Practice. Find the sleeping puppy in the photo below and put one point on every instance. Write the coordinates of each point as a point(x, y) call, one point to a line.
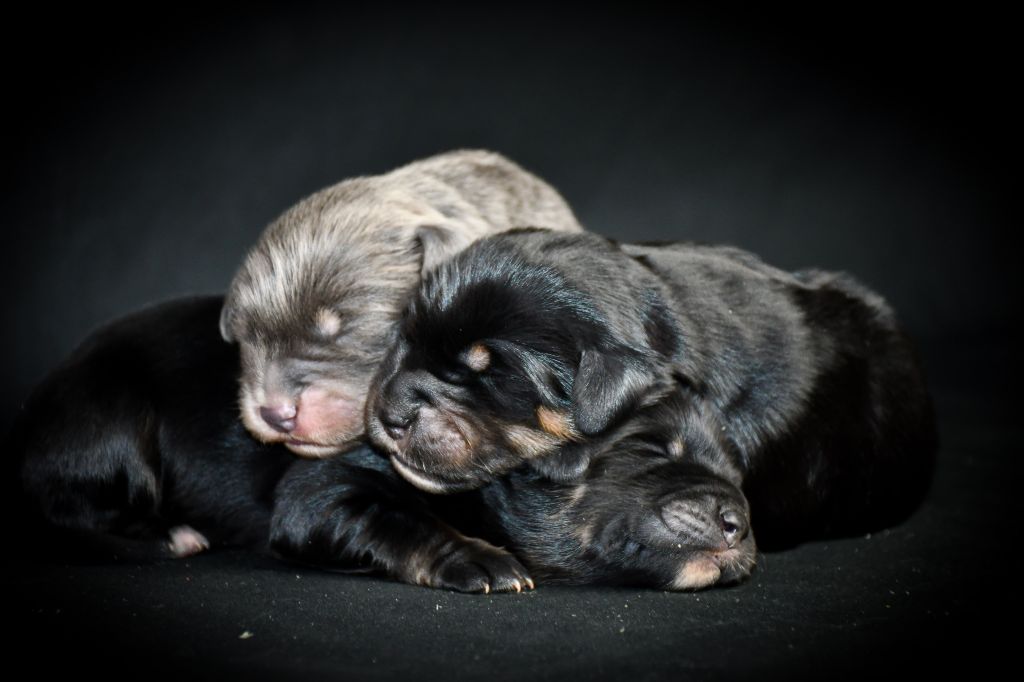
point(629, 410)
point(314, 305)
point(133, 447)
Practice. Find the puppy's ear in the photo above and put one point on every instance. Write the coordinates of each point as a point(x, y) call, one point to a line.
point(438, 244)
point(227, 314)
point(565, 465)
point(607, 384)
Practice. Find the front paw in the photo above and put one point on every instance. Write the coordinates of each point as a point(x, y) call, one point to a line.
point(473, 565)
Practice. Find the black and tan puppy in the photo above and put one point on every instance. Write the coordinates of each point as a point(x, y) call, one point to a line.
point(137, 436)
point(618, 405)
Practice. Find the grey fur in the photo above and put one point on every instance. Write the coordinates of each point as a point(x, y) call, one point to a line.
point(357, 249)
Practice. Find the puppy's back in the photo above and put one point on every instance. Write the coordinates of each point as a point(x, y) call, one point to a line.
point(502, 193)
point(102, 444)
point(830, 398)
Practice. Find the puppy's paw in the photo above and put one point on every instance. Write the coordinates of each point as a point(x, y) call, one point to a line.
point(473, 565)
point(186, 541)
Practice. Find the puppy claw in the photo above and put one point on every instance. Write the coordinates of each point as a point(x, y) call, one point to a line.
point(472, 565)
point(529, 583)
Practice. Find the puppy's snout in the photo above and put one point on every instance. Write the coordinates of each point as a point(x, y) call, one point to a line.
point(703, 521)
point(401, 401)
point(734, 526)
point(397, 427)
point(281, 417)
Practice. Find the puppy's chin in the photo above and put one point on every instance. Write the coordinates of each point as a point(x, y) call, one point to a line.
point(706, 568)
point(428, 482)
point(323, 442)
point(312, 450)
point(316, 446)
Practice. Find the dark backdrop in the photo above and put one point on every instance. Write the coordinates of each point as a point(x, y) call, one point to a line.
point(147, 153)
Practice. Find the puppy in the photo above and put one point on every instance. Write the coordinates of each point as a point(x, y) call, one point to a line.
point(134, 447)
point(626, 409)
point(314, 304)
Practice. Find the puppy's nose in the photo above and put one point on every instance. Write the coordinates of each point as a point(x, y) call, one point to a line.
point(281, 418)
point(396, 427)
point(733, 524)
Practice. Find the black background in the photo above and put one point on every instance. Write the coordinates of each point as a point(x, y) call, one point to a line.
point(146, 153)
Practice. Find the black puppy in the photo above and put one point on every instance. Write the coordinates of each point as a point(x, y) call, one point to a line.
point(619, 405)
point(137, 435)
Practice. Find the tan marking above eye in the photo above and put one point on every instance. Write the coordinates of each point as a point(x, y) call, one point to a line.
point(555, 423)
point(477, 357)
point(328, 322)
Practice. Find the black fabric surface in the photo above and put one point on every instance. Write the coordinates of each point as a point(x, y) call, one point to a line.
point(145, 162)
point(921, 598)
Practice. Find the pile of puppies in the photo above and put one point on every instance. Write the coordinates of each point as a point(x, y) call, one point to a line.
point(538, 403)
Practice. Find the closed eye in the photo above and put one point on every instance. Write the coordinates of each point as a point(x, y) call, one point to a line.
point(457, 375)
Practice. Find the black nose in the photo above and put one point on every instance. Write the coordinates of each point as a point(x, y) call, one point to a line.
point(396, 427)
point(734, 526)
point(281, 419)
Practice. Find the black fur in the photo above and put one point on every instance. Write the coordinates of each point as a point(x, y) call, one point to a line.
point(138, 433)
point(636, 397)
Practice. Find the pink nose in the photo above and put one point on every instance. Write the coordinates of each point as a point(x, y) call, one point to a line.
point(280, 418)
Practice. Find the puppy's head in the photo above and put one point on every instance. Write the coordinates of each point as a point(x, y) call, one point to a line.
point(314, 306)
point(666, 506)
point(503, 358)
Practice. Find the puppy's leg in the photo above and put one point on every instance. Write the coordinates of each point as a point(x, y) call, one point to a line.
point(88, 491)
point(354, 513)
point(73, 521)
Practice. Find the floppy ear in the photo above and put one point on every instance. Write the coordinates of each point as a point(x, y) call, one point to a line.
point(438, 244)
point(227, 313)
point(565, 465)
point(606, 385)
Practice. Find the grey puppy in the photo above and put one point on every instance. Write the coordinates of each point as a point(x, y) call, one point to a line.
point(314, 305)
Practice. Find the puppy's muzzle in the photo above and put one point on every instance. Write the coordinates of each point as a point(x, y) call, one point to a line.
point(281, 418)
point(397, 428)
point(711, 525)
point(397, 409)
point(409, 417)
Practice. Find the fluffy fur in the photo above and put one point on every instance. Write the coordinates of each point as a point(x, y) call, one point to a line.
point(629, 410)
point(133, 447)
point(314, 305)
